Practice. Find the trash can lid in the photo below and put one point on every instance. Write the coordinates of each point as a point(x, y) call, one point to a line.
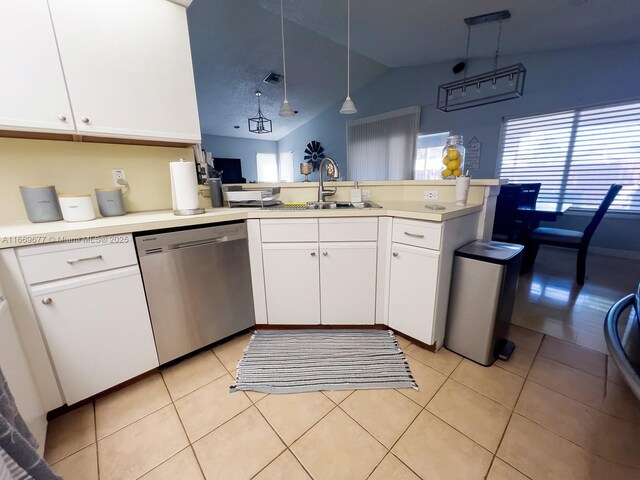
point(492, 252)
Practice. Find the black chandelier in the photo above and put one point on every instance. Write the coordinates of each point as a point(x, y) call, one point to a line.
point(260, 123)
point(493, 86)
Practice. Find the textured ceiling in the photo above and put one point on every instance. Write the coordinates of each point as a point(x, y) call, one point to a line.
point(235, 43)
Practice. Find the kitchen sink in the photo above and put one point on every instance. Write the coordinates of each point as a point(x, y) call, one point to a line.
point(342, 205)
point(325, 205)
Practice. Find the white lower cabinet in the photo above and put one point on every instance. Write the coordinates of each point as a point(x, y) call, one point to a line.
point(348, 283)
point(412, 291)
point(19, 376)
point(291, 278)
point(92, 311)
point(97, 329)
point(316, 271)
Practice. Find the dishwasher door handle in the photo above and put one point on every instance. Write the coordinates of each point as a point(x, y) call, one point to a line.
point(198, 243)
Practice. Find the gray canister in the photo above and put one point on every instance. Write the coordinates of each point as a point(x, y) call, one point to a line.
point(41, 203)
point(110, 202)
point(215, 187)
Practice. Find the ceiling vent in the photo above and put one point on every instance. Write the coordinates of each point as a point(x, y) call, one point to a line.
point(273, 78)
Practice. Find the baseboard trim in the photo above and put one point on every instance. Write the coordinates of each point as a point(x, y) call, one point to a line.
point(607, 252)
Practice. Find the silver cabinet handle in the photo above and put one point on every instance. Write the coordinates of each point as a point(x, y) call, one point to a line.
point(47, 301)
point(62, 118)
point(395, 254)
point(85, 119)
point(413, 235)
point(325, 253)
point(71, 261)
point(313, 254)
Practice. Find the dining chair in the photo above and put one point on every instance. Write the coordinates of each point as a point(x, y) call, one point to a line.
point(529, 194)
point(559, 237)
point(504, 221)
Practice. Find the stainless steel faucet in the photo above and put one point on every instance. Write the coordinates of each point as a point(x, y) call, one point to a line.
point(322, 192)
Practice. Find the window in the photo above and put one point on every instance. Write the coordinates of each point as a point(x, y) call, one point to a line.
point(576, 154)
point(428, 164)
point(286, 166)
point(382, 147)
point(267, 164)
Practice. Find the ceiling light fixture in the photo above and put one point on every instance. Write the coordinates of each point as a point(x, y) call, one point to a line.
point(285, 108)
point(494, 86)
point(348, 107)
point(260, 123)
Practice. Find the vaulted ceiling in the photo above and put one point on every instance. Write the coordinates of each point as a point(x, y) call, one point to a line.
point(236, 43)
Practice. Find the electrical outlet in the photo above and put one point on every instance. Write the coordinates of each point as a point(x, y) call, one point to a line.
point(431, 195)
point(118, 174)
point(366, 194)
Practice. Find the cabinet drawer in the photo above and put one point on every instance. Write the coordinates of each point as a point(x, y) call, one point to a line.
point(289, 230)
point(348, 229)
point(42, 263)
point(419, 234)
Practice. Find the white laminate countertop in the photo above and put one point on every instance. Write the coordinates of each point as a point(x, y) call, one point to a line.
point(25, 233)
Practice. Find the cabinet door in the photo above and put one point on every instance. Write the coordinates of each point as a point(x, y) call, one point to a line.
point(348, 283)
point(33, 96)
point(128, 68)
point(97, 329)
point(412, 291)
point(292, 283)
point(17, 372)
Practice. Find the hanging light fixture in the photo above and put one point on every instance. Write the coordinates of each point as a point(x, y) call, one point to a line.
point(260, 123)
point(494, 86)
point(348, 107)
point(285, 108)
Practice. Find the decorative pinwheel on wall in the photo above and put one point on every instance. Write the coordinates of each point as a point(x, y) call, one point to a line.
point(313, 154)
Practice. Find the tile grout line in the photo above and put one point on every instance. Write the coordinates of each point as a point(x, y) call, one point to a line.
point(589, 452)
point(95, 426)
point(513, 410)
point(81, 448)
point(390, 452)
point(183, 428)
point(287, 447)
point(585, 404)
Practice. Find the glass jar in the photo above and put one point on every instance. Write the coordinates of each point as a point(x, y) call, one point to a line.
point(453, 157)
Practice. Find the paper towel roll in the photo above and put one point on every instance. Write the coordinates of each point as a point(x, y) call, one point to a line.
point(184, 185)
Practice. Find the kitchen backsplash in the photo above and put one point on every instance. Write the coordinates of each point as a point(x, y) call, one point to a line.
point(82, 167)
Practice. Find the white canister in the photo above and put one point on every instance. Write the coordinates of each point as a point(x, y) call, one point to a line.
point(77, 208)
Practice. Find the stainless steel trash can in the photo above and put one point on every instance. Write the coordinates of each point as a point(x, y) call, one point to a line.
point(483, 290)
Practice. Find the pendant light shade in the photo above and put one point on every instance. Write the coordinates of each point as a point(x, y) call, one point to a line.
point(285, 108)
point(348, 107)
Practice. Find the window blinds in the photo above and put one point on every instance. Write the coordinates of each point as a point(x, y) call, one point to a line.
point(383, 147)
point(576, 154)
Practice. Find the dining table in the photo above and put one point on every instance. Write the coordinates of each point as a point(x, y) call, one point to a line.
point(531, 216)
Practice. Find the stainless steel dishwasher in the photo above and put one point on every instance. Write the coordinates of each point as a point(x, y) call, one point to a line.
point(198, 286)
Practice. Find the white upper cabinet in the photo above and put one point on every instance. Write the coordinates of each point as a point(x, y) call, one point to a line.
point(128, 68)
point(33, 97)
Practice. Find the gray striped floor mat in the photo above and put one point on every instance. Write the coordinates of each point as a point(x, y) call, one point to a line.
point(291, 361)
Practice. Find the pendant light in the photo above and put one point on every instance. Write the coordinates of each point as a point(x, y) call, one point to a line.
point(285, 108)
point(348, 107)
point(497, 85)
point(260, 123)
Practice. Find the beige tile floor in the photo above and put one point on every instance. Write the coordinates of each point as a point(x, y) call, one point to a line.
point(555, 410)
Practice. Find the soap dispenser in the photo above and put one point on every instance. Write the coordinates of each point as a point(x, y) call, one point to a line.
point(356, 193)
